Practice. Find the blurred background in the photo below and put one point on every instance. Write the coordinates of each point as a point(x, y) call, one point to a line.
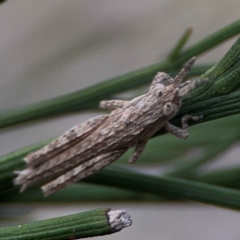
point(50, 48)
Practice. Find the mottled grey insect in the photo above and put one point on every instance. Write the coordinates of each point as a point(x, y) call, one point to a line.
point(91, 146)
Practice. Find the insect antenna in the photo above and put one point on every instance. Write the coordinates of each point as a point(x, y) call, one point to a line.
point(183, 73)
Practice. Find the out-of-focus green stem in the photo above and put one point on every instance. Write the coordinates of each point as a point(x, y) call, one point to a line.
point(227, 177)
point(210, 41)
point(89, 98)
point(184, 169)
point(167, 187)
point(173, 55)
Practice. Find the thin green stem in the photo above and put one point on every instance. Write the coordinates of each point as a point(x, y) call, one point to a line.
point(81, 225)
point(167, 187)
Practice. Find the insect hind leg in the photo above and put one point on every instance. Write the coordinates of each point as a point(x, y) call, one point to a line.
point(138, 151)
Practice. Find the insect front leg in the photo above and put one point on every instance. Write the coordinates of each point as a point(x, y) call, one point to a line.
point(181, 132)
point(82, 171)
point(112, 104)
point(138, 151)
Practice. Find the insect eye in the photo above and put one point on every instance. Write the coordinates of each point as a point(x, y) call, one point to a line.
point(167, 109)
